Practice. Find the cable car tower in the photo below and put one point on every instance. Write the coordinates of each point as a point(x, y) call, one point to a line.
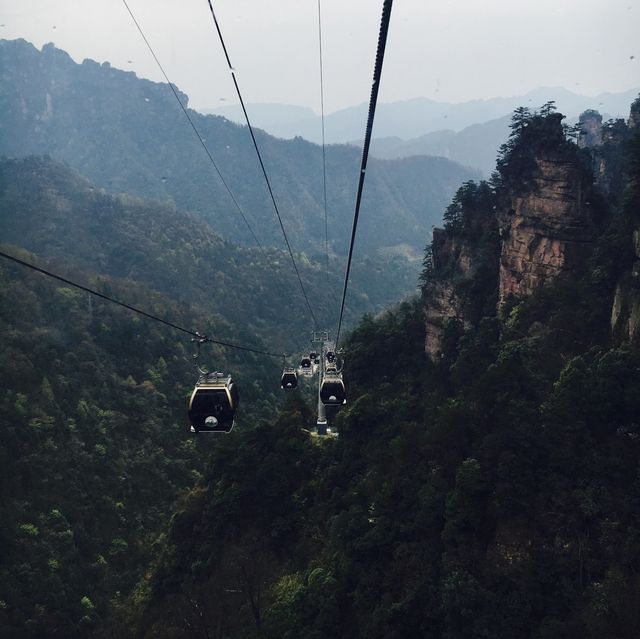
point(331, 390)
point(321, 338)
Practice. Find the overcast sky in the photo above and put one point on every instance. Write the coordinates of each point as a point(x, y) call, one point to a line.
point(449, 50)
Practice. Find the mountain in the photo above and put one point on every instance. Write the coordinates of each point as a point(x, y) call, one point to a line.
point(267, 116)
point(489, 489)
point(474, 146)
point(52, 211)
point(415, 118)
point(94, 439)
point(485, 479)
point(129, 135)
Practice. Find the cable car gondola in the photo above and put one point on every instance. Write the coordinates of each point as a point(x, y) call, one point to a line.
point(213, 404)
point(289, 379)
point(332, 390)
point(306, 367)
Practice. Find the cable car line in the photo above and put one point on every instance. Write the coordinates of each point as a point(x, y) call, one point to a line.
point(195, 130)
point(324, 155)
point(264, 171)
point(382, 41)
point(155, 318)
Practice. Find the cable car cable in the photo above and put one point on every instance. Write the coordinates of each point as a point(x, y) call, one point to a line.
point(155, 318)
point(195, 130)
point(324, 154)
point(264, 171)
point(382, 41)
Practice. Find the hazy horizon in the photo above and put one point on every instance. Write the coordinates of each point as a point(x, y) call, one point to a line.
point(454, 54)
point(231, 104)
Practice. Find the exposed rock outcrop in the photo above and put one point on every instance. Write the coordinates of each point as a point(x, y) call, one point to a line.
point(547, 207)
point(625, 314)
point(444, 305)
point(604, 142)
point(590, 129)
point(463, 272)
point(546, 231)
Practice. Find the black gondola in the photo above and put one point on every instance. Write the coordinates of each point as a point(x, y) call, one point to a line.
point(331, 357)
point(289, 379)
point(305, 362)
point(213, 404)
point(332, 390)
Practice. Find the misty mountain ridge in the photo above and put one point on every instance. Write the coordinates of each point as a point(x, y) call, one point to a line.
point(475, 146)
point(127, 134)
point(417, 117)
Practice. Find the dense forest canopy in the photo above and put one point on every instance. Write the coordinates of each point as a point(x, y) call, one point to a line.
point(490, 493)
point(485, 480)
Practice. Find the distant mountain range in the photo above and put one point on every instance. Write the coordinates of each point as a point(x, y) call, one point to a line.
point(469, 133)
point(415, 118)
point(475, 146)
point(126, 134)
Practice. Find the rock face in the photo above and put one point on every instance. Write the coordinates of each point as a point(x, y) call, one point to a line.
point(443, 304)
point(604, 142)
point(590, 129)
point(546, 231)
point(542, 224)
point(625, 314)
point(464, 269)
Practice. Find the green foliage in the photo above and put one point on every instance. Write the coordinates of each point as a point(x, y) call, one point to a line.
point(95, 450)
point(534, 136)
point(464, 256)
point(471, 205)
point(491, 495)
point(246, 293)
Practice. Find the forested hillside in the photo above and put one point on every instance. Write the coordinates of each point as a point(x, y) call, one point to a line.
point(485, 478)
point(48, 209)
point(130, 135)
point(94, 450)
point(96, 447)
point(490, 491)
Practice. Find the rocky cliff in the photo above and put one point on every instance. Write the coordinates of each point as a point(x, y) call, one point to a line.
point(612, 148)
point(547, 228)
point(604, 142)
point(625, 315)
point(551, 199)
point(446, 305)
point(461, 275)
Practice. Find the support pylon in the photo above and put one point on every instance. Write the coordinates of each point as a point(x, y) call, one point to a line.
point(321, 423)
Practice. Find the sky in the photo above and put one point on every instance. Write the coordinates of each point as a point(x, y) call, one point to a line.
point(447, 50)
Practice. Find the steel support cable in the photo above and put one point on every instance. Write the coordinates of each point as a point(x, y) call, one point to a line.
point(195, 130)
point(382, 42)
point(155, 318)
point(324, 154)
point(264, 171)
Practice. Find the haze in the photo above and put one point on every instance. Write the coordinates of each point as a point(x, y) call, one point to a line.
point(449, 51)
